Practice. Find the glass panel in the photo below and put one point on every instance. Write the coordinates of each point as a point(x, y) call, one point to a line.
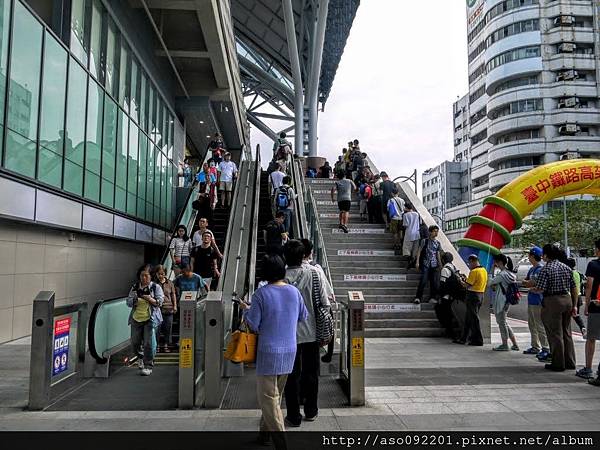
point(112, 61)
point(23, 93)
point(120, 199)
point(142, 171)
point(109, 140)
point(132, 168)
point(4, 29)
point(96, 40)
point(124, 77)
point(122, 140)
point(143, 102)
point(93, 142)
point(141, 208)
point(135, 102)
point(73, 179)
point(107, 194)
point(150, 178)
point(52, 114)
point(159, 123)
point(79, 43)
point(157, 174)
point(75, 126)
point(151, 112)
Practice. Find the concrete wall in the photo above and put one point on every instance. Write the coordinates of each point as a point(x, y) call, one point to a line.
point(35, 258)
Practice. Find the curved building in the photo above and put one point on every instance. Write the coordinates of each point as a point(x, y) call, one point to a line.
point(533, 74)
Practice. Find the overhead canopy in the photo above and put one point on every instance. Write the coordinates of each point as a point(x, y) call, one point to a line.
point(260, 26)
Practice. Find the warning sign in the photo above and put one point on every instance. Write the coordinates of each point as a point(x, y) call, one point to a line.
point(360, 231)
point(185, 353)
point(358, 252)
point(60, 354)
point(358, 352)
point(374, 277)
point(329, 216)
point(387, 307)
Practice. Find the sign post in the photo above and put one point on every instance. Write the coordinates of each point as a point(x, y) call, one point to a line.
point(356, 348)
point(187, 308)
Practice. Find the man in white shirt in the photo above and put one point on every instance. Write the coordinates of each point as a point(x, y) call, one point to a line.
point(276, 182)
point(395, 207)
point(227, 174)
point(410, 220)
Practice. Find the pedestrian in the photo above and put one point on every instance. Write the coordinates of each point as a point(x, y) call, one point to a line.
point(500, 285)
point(217, 148)
point(189, 281)
point(387, 187)
point(284, 201)
point(592, 311)
point(450, 290)
point(340, 164)
point(282, 148)
point(476, 284)
point(204, 259)
point(197, 238)
point(344, 188)
point(275, 235)
point(377, 199)
point(304, 379)
point(188, 176)
point(274, 313)
point(357, 166)
point(429, 261)
point(571, 263)
point(145, 299)
point(395, 210)
point(559, 306)
point(368, 195)
point(207, 181)
point(180, 248)
point(227, 175)
point(168, 309)
point(412, 235)
point(276, 178)
point(539, 341)
point(325, 170)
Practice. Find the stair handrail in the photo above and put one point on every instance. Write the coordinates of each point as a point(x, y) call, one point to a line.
point(254, 223)
point(299, 204)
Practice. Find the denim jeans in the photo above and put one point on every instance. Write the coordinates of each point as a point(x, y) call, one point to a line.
point(431, 274)
point(165, 330)
point(144, 332)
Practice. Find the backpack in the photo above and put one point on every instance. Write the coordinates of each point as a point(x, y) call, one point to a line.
point(453, 286)
point(423, 229)
point(512, 293)
point(273, 166)
point(361, 190)
point(283, 198)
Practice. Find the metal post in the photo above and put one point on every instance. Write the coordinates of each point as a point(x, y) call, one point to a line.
point(565, 224)
point(41, 350)
point(213, 353)
point(356, 348)
point(187, 334)
point(290, 28)
point(315, 73)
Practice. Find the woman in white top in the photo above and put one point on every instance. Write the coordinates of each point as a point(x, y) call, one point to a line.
point(499, 306)
point(180, 248)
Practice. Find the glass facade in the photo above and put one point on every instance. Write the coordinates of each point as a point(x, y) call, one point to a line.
point(86, 119)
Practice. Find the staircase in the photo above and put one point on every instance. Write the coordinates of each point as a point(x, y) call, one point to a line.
point(265, 215)
point(364, 260)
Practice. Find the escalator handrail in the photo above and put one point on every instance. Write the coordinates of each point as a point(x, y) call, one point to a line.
point(300, 212)
point(254, 224)
point(92, 329)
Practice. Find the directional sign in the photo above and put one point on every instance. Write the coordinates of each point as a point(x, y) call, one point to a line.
point(359, 252)
point(387, 307)
point(60, 354)
point(374, 277)
point(359, 231)
point(329, 216)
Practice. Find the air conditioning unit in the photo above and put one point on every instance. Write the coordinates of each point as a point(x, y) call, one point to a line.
point(569, 102)
point(567, 75)
point(567, 47)
point(569, 129)
point(564, 20)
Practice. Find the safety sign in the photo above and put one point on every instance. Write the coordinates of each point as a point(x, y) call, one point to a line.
point(374, 277)
point(359, 252)
point(360, 231)
point(60, 354)
point(358, 352)
point(185, 353)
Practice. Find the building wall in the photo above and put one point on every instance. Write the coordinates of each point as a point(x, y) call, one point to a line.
point(77, 266)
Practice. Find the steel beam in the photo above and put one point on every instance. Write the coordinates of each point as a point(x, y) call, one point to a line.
point(315, 72)
point(290, 28)
point(261, 125)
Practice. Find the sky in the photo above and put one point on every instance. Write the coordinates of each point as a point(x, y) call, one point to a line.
point(404, 64)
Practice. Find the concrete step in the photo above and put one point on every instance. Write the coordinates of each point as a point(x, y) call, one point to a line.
point(377, 262)
point(333, 223)
point(349, 256)
point(407, 293)
point(337, 269)
point(403, 332)
point(395, 298)
point(427, 315)
point(365, 286)
point(343, 245)
point(402, 323)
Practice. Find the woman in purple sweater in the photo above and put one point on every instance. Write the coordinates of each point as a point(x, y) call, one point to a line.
point(274, 314)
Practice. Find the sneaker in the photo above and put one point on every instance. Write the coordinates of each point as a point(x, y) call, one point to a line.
point(417, 301)
point(140, 363)
point(584, 332)
point(326, 358)
point(543, 356)
point(459, 341)
point(531, 351)
point(515, 348)
point(311, 419)
point(433, 301)
point(146, 371)
point(290, 423)
point(585, 373)
point(595, 381)
point(345, 229)
point(501, 348)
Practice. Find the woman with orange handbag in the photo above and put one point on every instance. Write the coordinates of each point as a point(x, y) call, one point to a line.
point(274, 313)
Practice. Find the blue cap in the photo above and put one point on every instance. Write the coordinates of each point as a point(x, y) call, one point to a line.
point(536, 251)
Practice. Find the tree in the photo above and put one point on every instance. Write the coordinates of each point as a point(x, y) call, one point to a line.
point(583, 226)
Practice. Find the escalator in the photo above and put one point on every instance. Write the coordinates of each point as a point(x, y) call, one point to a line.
point(265, 215)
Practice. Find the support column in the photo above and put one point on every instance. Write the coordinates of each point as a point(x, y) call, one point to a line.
point(315, 75)
point(290, 28)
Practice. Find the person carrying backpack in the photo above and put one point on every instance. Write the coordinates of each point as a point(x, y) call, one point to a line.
point(365, 192)
point(451, 289)
point(395, 208)
point(284, 197)
point(504, 285)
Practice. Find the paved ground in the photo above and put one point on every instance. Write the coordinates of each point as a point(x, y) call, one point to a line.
point(412, 384)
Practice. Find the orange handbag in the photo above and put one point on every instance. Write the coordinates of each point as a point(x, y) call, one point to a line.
point(241, 346)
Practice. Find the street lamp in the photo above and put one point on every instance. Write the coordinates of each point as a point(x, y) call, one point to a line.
point(412, 178)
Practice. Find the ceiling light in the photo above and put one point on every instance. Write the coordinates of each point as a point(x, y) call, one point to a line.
point(202, 121)
point(208, 137)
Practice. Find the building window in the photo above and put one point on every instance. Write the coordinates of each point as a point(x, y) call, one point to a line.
point(478, 115)
point(75, 129)
point(93, 141)
point(477, 94)
point(517, 82)
point(519, 136)
point(476, 73)
point(96, 40)
point(79, 27)
point(513, 55)
point(533, 104)
point(520, 162)
point(479, 137)
point(512, 29)
point(109, 143)
point(508, 5)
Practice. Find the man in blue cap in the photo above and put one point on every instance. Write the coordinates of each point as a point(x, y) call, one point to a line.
point(539, 341)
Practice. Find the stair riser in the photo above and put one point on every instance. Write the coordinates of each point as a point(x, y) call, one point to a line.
point(401, 323)
point(403, 333)
point(384, 269)
point(425, 315)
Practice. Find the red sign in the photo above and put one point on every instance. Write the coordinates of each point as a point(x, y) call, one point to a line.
point(62, 326)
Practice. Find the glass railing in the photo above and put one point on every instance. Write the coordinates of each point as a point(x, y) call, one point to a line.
point(108, 328)
point(199, 345)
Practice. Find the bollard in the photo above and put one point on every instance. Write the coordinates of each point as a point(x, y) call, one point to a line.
point(41, 350)
point(356, 348)
point(187, 311)
point(213, 349)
